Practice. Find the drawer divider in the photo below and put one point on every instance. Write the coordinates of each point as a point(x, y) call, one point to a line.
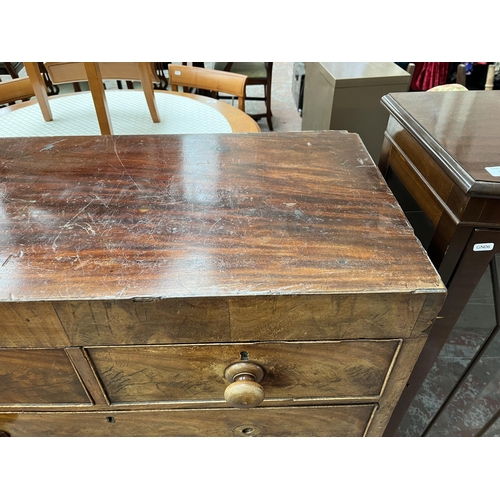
point(87, 374)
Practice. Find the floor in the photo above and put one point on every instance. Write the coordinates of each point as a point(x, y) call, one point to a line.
point(467, 391)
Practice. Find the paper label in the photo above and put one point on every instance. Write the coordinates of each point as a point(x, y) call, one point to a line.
point(483, 247)
point(494, 171)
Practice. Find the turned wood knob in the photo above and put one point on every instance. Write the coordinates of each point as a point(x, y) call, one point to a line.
point(244, 390)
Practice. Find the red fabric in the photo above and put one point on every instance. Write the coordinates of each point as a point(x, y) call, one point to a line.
point(429, 74)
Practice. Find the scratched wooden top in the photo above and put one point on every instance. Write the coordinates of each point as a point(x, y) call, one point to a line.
point(200, 215)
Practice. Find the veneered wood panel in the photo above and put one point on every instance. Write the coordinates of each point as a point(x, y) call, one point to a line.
point(324, 317)
point(30, 324)
point(156, 321)
point(39, 376)
point(324, 421)
point(293, 370)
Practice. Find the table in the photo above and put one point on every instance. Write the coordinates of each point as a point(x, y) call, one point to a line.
point(162, 285)
point(74, 114)
point(441, 153)
point(346, 96)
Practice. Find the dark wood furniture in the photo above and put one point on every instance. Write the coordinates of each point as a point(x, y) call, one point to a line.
point(154, 285)
point(11, 68)
point(443, 149)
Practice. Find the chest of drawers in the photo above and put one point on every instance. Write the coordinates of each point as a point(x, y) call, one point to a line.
point(205, 285)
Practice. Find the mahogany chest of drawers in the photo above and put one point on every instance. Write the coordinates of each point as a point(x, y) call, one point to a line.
point(205, 285)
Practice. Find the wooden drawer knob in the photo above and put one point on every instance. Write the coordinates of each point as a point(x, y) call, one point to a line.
point(244, 390)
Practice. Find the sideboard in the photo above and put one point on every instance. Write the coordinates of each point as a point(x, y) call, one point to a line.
point(205, 285)
point(441, 159)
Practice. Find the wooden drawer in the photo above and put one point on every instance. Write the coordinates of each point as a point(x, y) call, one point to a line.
point(348, 420)
point(294, 371)
point(39, 377)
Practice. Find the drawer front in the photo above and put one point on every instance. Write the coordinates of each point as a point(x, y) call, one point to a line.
point(39, 376)
point(293, 371)
point(324, 421)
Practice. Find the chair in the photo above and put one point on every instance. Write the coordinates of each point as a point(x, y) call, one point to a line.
point(490, 77)
point(258, 73)
point(427, 75)
point(208, 79)
point(459, 86)
point(94, 73)
point(19, 89)
point(11, 68)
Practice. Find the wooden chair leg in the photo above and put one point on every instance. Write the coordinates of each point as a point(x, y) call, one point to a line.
point(99, 97)
point(39, 89)
point(11, 70)
point(241, 102)
point(461, 75)
point(147, 87)
point(269, 114)
point(490, 77)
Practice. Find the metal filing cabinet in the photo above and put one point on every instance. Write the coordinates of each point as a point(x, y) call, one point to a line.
point(346, 96)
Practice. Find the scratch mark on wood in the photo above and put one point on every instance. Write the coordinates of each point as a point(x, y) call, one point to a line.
point(123, 166)
point(15, 256)
point(68, 224)
point(48, 147)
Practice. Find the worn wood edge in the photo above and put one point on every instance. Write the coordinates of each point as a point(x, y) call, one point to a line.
point(263, 294)
point(431, 308)
point(459, 175)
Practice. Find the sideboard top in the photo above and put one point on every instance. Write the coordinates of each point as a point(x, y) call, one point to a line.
point(200, 215)
point(461, 130)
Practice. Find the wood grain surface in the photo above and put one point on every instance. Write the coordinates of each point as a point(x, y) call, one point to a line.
point(187, 216)
point(294, 370)
point(340, 421)
point(39, 376)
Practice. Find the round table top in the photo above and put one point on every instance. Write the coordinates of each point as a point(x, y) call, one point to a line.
point(74, 114)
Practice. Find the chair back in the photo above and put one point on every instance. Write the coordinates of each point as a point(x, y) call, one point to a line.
point(69, 72)
point(208, 79)
point(95, 73)
point(258, 74)
point(19, 89)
